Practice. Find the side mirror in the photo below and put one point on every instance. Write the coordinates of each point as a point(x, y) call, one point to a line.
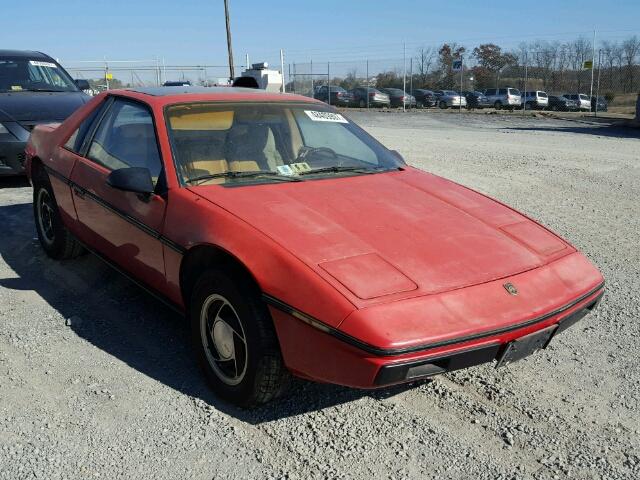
point(132, 179)
point(82, 84)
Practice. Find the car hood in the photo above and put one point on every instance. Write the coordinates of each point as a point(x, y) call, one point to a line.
point(39, 106)
point(385, 235)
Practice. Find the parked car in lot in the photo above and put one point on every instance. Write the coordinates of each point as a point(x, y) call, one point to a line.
point(449, 98)
point(320, 254)
point(535, 100)
point(424, 98)
point(34, 89)
point(335, 95)
point(398, 97)
point(602, 105)
point(376, 97)
point(509, 98)
point(476, 100)
point(561, 103)
point(583, 100)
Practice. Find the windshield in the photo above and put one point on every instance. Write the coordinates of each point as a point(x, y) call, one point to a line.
point(233, 143)
point(21, 74)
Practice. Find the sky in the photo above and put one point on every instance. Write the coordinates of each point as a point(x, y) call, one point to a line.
point(193, 31)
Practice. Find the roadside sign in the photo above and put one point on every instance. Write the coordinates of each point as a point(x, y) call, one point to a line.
point(456, 66)
point(588, 64)
point(108, 76)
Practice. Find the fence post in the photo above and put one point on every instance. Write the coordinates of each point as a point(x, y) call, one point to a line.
point(367, 84)
point(404, 76)
point(328, 84)
point(524, 92)
point(284, 87)
point(598, 86)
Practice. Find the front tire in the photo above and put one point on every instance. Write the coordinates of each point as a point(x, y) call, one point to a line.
point(443, 105)
point(56, 240)
point(235, 341)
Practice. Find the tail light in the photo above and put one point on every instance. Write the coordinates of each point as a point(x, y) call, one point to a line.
point(372, 94)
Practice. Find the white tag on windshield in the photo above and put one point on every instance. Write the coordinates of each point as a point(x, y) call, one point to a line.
point(293, 168)
point(325, 116)
point(36, 63)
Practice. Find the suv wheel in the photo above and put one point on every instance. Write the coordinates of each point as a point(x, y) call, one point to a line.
point(443, 104)
point(56, 240)
point(497, 105)
point(235, 341)
point(363, 104)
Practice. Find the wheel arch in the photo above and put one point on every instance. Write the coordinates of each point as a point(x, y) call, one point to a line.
point(202, 257)
point(34, 167)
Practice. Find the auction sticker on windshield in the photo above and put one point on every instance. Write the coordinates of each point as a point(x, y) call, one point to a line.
point(36, 63)
point(293, 168)
point(325, 116)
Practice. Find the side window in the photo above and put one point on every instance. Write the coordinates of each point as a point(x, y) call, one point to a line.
point(76, 139)
point(502, 91)
point(126, 138)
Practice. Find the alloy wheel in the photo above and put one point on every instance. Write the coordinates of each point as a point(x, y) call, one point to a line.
point(45, 216)
point(224, 339)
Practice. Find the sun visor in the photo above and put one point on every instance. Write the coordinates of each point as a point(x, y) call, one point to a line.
point(199, 119)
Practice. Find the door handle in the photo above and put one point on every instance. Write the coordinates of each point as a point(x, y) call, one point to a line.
point(78, 192)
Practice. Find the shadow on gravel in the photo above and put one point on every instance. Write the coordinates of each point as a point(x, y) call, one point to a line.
point(115, 315)
point(14, 182)
point(613, 131)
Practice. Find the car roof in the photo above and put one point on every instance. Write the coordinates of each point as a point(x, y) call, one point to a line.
point(186, 94)
point(23, 53)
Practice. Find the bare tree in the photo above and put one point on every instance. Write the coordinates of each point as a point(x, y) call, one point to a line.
point(630, 50)
point(424, 59)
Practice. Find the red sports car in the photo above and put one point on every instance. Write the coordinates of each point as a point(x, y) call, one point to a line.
point(296, 243)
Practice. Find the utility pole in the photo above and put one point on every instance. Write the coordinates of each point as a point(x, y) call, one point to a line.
point(229, 48)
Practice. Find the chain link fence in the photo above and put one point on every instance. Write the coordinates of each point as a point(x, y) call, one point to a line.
point(606, 70)
point(610, 71)
point(105, 75)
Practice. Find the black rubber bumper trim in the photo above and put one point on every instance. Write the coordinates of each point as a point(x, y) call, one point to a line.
point(403, 372)
point(386, 352)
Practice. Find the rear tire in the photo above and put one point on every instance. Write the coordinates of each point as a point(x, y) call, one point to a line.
point(497, 105)
point(235, 341)
point(56, 240)
point(443, 105)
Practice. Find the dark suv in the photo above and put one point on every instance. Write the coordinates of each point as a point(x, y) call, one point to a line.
point(334, 95)
point(34, 89)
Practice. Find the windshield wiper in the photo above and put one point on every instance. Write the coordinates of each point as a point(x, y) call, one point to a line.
point(341, 168)
point(257, 173)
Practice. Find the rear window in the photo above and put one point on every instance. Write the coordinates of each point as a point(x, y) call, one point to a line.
point(584, 97)
point(514, 91)
point(542, 94)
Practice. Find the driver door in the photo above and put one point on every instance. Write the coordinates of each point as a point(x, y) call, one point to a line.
point(122, 226)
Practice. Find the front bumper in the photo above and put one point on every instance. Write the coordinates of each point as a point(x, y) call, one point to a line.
point(432, 329)
point(12, 157)
point(322, 356)
point(12, 145)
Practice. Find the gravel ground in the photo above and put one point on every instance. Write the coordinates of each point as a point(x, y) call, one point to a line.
point(96, 378)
